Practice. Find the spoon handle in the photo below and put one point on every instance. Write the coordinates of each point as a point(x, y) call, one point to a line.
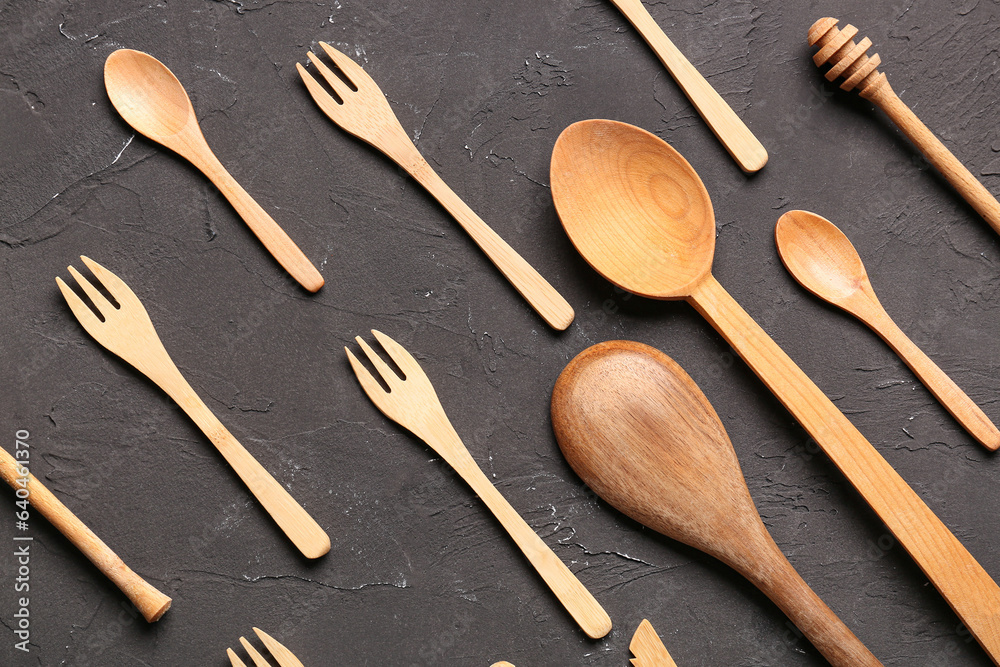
point(777, 579)
point(537, 291)
point(274, 238)
point(732, 132)
point(963, 582)
point(574, 596)
point(956, 401)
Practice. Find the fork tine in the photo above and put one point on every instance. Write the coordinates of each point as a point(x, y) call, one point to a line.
point(103, 306)
point(116, 286)
point(324, 99)
point(258, 659)
point(354, 72)
point(233, 658)
point(342, 89)
point(399, 354)
point(82, 311)
point(390, 376)
point(371, 386)
point(284, 657)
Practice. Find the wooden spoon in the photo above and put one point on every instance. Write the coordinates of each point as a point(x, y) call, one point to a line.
point(822, 259)
point(638, 431)
point(639, 214)
point(151, 99)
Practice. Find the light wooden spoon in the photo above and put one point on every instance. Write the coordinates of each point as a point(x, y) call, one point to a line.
point(151, 99)
point(639, 214)
point(824, 261)
point(638, 431)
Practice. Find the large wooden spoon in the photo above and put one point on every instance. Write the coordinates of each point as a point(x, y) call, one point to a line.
point(151, 99)
point(824, 261)
point(636, 428)
point(639, 214)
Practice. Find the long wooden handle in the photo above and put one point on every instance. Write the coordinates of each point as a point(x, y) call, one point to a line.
point(150, 602)
point(936, 153)
point(544, 298)
point(963, 582)
point(274, 238)
point(296, 523)
point(741, 143)
point(823, 628)
point(573, 595)
point(956, 401)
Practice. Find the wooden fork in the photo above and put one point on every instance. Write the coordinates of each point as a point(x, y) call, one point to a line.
point(412, 402)
point(366, 114)
point(281, 654)
point(128, 332)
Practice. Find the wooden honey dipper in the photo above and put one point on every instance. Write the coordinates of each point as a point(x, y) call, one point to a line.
point(850, 61)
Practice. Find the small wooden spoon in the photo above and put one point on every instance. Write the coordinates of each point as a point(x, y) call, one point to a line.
point(824, 261)
point(638, 431)
point(638, 213)
point(151, 99)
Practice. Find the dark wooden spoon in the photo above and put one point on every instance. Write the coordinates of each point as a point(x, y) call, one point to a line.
point(636, 428)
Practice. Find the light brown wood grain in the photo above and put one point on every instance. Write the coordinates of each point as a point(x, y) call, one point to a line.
point(366, 114)
point(849, 60)
point(281, 655)
point(822, 259)
point(128, 332)
point(732, 132)
point(639, 432)
point(641, 217)
point(413, 403)
point(151, 99)
point(150, 602)
point(647, 648)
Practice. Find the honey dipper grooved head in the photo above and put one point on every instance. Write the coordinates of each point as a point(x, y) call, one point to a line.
point(846, 58)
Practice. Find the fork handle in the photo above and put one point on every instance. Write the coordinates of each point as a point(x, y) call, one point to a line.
point(544, 298)
point(274, 238)
point(150, 602)
point(573, 595)
point(300, 528)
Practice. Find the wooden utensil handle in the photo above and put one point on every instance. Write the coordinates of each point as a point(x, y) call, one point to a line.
point(963, 582)
point(956, 401)
point(544, 298)
point(296, 523)
point(823, 628)
point(573, 595)
point(150, 602)
point(732, 132)
point(274, 238)
point(936, 152)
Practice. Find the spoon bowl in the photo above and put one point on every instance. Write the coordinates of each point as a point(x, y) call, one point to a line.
point(820, 257)
point(639, 432)
point(633, 207)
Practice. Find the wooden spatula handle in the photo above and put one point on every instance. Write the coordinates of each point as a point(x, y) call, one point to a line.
point(956, 401)
point(573, 595)
point(823, 628)
point(963, 582)
point(537, 291)
point(732, 132)
point(271, 235)
point(150, 602)
point(296, 523)
point(936, 152)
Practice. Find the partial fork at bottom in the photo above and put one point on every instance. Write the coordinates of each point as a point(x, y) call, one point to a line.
point(282, 655)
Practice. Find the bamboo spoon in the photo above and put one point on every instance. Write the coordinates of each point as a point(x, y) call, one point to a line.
point(151, 99)
point(363, 110)
point(822, 259)
point(150, 602)
point(639, 214)
point(638, 431)
point(732, 132)
point(648, 649)
point(849, 60)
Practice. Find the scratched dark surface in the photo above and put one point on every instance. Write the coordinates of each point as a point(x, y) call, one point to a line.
point(419, 573)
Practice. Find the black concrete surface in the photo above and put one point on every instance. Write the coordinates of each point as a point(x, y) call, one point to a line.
point(419, 573)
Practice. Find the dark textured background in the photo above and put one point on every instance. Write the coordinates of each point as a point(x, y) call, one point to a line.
point(419, 572)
